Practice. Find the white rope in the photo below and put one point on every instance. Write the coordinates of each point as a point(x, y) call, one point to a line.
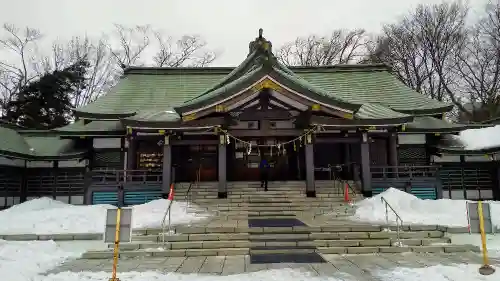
point(299, 138)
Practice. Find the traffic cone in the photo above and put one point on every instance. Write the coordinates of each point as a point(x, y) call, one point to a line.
point(346, 194)
point(171, 193)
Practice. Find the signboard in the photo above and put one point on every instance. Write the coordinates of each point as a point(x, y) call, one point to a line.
point(473, 218)
point(125, 225)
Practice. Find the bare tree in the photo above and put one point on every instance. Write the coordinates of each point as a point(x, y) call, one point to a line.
point(17, 72)
point(443, 33)
point(189, 50)
point(127, 44)
point(478, 65)
point(341, 47)
point(422, 46)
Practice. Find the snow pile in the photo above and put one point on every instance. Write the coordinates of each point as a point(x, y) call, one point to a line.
point(456, 272)
point(413, 210)
point(20, 261)
point(150, 215)
point(483, 138)
point(47, 216)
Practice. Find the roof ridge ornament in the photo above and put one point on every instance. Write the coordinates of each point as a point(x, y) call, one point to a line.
point(260, 43)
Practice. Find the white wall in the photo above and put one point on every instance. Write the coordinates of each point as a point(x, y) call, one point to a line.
point(107, 142)
point(446, 159)
point(411, 139)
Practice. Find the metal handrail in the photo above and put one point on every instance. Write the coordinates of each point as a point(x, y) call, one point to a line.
point(168, 211)
point(197, 182)
point(399, 220)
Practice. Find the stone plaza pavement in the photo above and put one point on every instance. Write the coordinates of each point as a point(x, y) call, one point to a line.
point(359, 266)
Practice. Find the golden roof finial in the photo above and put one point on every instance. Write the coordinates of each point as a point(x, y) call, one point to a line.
point(260, 33)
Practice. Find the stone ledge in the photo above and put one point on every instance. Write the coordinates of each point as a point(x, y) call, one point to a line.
point(55, 237)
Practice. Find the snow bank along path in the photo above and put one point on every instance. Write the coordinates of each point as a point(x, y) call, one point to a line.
point(47, 216)
point(413, 210)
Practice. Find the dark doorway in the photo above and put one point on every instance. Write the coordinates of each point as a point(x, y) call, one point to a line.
point(286, 162)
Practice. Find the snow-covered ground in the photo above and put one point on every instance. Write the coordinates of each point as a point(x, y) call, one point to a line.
point(415, 211)
point(47, 216)
point(27, 261)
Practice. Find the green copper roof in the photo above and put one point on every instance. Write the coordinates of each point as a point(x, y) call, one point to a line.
point(93, 128)
point(40, 146)
point(378, 111)
point(346, 86)
point(433, 125)
point(156, 115)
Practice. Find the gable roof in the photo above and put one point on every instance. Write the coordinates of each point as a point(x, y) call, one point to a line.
point(156, 90)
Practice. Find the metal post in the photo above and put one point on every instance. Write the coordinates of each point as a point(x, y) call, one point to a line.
point(117, 246)
point(485, 269)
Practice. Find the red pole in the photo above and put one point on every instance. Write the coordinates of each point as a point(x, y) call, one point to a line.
point(171, 193)
point(346, 193)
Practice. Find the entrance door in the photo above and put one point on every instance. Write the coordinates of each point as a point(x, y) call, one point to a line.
point(246, 162)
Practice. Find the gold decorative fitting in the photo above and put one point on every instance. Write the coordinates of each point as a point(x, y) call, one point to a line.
point(348, 116)
point(220, 108)
point(403, 127)
point(316, 107)
point(129, 130)
point(189, 117)
point(372, 128)
point(437, 134)
point(161, 132)
point(266, 84)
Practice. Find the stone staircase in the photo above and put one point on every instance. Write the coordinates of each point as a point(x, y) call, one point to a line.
point(276, 225)
point(282, 199)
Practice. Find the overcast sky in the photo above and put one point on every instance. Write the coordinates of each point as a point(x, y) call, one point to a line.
point(227, 25)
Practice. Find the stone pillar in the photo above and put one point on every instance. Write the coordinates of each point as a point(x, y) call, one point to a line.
point(167, 165)
point(366, 175)
point(392, 150)
point(222, 151)
point(309, 151)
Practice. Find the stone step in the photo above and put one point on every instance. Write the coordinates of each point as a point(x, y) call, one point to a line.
point(302, 200)
point(270, 208)
point(393, 249)
point(159, 252)
point(344, 227)
point(282, 250)
point(281, 204)
point(296, 240)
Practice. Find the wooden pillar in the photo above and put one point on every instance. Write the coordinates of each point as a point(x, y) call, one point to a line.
point(309, 151)
point(392, 150)
point(347, 168)
point(167, 165)
point(365, 165)
point(24, 183)
point(132, 153)
point(222, 151)
point(55, 174)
